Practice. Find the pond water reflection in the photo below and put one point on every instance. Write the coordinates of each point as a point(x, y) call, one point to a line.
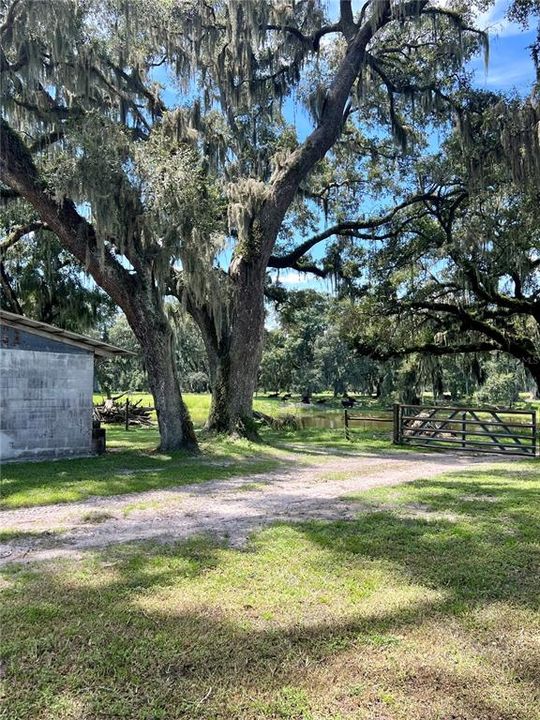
point(333, 419)
point(328, 420)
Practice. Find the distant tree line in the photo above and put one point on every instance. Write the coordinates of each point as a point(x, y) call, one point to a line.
point(306, 353)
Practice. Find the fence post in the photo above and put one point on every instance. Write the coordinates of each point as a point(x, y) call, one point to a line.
point(534, 434)
point(127, 414)
point(464, 429)
point(397, 424)
point(346, 423)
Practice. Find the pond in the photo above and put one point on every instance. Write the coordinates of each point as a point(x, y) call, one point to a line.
point(329, 420)
point(334, 419)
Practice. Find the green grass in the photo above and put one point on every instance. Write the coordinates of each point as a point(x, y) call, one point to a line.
point(131, 466)
point(425, 607)
point(198, 404)
point(314, 441)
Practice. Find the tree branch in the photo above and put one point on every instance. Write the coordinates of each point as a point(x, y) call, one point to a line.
point(285, 182)
point(347, 23)
point(17, 170)
point(347, 227)
point(519, 347)
point(425, 349)
point(294, 31)
point(19, 232)
point(517, 304)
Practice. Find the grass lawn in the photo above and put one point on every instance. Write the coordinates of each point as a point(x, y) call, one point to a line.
point(133, 465)
point(424, 607)
point(199, 404)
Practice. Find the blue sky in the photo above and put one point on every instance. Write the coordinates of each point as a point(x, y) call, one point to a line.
point(510, 66)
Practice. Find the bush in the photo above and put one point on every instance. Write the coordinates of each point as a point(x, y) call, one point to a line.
point(500, 388)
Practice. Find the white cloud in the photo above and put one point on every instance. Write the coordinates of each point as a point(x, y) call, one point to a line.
point(290, 277)
point(494, 20)
point(515, 74)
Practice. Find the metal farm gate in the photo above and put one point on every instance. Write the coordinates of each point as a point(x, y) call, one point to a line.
point(507, 432)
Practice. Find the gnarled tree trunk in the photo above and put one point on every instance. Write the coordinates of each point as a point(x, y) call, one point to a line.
point(175, 427)
point(234, 348)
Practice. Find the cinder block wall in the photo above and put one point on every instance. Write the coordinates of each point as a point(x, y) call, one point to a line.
point(45, 401)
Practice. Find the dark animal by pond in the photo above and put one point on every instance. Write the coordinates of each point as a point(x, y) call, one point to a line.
point(348, 402)
point(306, 399)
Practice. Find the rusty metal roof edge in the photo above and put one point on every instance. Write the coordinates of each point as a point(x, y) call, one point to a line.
point(99, 347)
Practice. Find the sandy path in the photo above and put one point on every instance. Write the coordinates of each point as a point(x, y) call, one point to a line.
point(230, 509)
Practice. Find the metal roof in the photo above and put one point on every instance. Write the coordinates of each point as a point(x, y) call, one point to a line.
point(98, 347)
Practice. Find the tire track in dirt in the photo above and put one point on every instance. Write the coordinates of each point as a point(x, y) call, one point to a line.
point(228, 509)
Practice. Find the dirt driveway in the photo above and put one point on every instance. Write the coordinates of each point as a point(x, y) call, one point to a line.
point(228, 509)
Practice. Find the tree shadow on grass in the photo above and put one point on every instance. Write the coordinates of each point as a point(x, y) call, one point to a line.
point(48, 482)
point(184, 631)
point(475, 533)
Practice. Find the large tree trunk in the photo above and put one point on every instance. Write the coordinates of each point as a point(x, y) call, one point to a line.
point(152, 329)
point(234, 348)
point(175, 427)
point(231, 410)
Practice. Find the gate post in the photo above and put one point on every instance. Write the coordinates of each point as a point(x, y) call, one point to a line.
point(397, 424)
point(346, 424)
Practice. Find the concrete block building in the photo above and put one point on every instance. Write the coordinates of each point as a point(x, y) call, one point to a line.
point(46, 384)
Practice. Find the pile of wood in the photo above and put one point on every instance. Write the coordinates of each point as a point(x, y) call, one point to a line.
point(112, 410)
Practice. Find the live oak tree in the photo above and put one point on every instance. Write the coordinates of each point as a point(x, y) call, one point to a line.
point(76, 98)
point(483, 296)
point(388, 50)
point(461, 273)
point(190, 198)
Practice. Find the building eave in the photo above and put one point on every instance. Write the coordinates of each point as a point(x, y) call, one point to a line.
point(98, 347)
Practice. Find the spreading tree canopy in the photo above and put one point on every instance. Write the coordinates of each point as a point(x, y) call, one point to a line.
point(460, 272)
point(198, 189)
